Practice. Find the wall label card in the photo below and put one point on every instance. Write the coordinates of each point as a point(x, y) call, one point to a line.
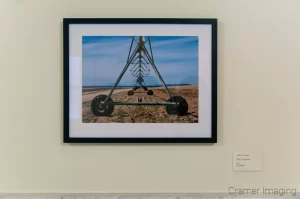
point(247, 161)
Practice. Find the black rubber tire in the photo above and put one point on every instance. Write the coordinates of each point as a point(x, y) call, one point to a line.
point(130, 93)
point(150, 92)
point(102, 109)
point(180, 109)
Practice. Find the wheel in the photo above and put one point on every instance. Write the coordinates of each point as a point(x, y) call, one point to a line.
point(150, 92)
point(130, 93)
point(145, 88)
point(99, 108)
point(181, 108)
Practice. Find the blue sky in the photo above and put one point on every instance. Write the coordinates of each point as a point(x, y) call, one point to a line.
point(104, 57)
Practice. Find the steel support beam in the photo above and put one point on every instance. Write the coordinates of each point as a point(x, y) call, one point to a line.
point(156, 71)
point(122, 73)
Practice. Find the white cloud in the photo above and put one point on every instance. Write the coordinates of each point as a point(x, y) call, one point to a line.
point(173, 41)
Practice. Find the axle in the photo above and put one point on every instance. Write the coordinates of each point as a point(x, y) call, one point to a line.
point(145, 103)
point(139, 92)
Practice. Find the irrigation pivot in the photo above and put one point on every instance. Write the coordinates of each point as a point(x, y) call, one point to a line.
point(141, 59)
point(140, 70)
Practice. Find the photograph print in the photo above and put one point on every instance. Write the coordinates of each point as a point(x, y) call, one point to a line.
point(140, 79)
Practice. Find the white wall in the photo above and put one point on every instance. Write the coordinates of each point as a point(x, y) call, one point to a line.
point(258, 90)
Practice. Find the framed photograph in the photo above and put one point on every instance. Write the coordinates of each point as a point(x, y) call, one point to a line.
point(148, 80)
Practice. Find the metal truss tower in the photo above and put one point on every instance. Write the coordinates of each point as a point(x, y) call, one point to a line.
point(141, 58)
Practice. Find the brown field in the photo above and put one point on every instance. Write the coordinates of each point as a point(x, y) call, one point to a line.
point(143, 114)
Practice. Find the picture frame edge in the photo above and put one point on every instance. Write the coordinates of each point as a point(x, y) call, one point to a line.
point(175, 140)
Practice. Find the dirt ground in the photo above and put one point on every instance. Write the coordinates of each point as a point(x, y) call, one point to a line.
point(146, 114)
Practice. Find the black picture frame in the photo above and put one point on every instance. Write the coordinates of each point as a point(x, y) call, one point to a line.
point(66, 79)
